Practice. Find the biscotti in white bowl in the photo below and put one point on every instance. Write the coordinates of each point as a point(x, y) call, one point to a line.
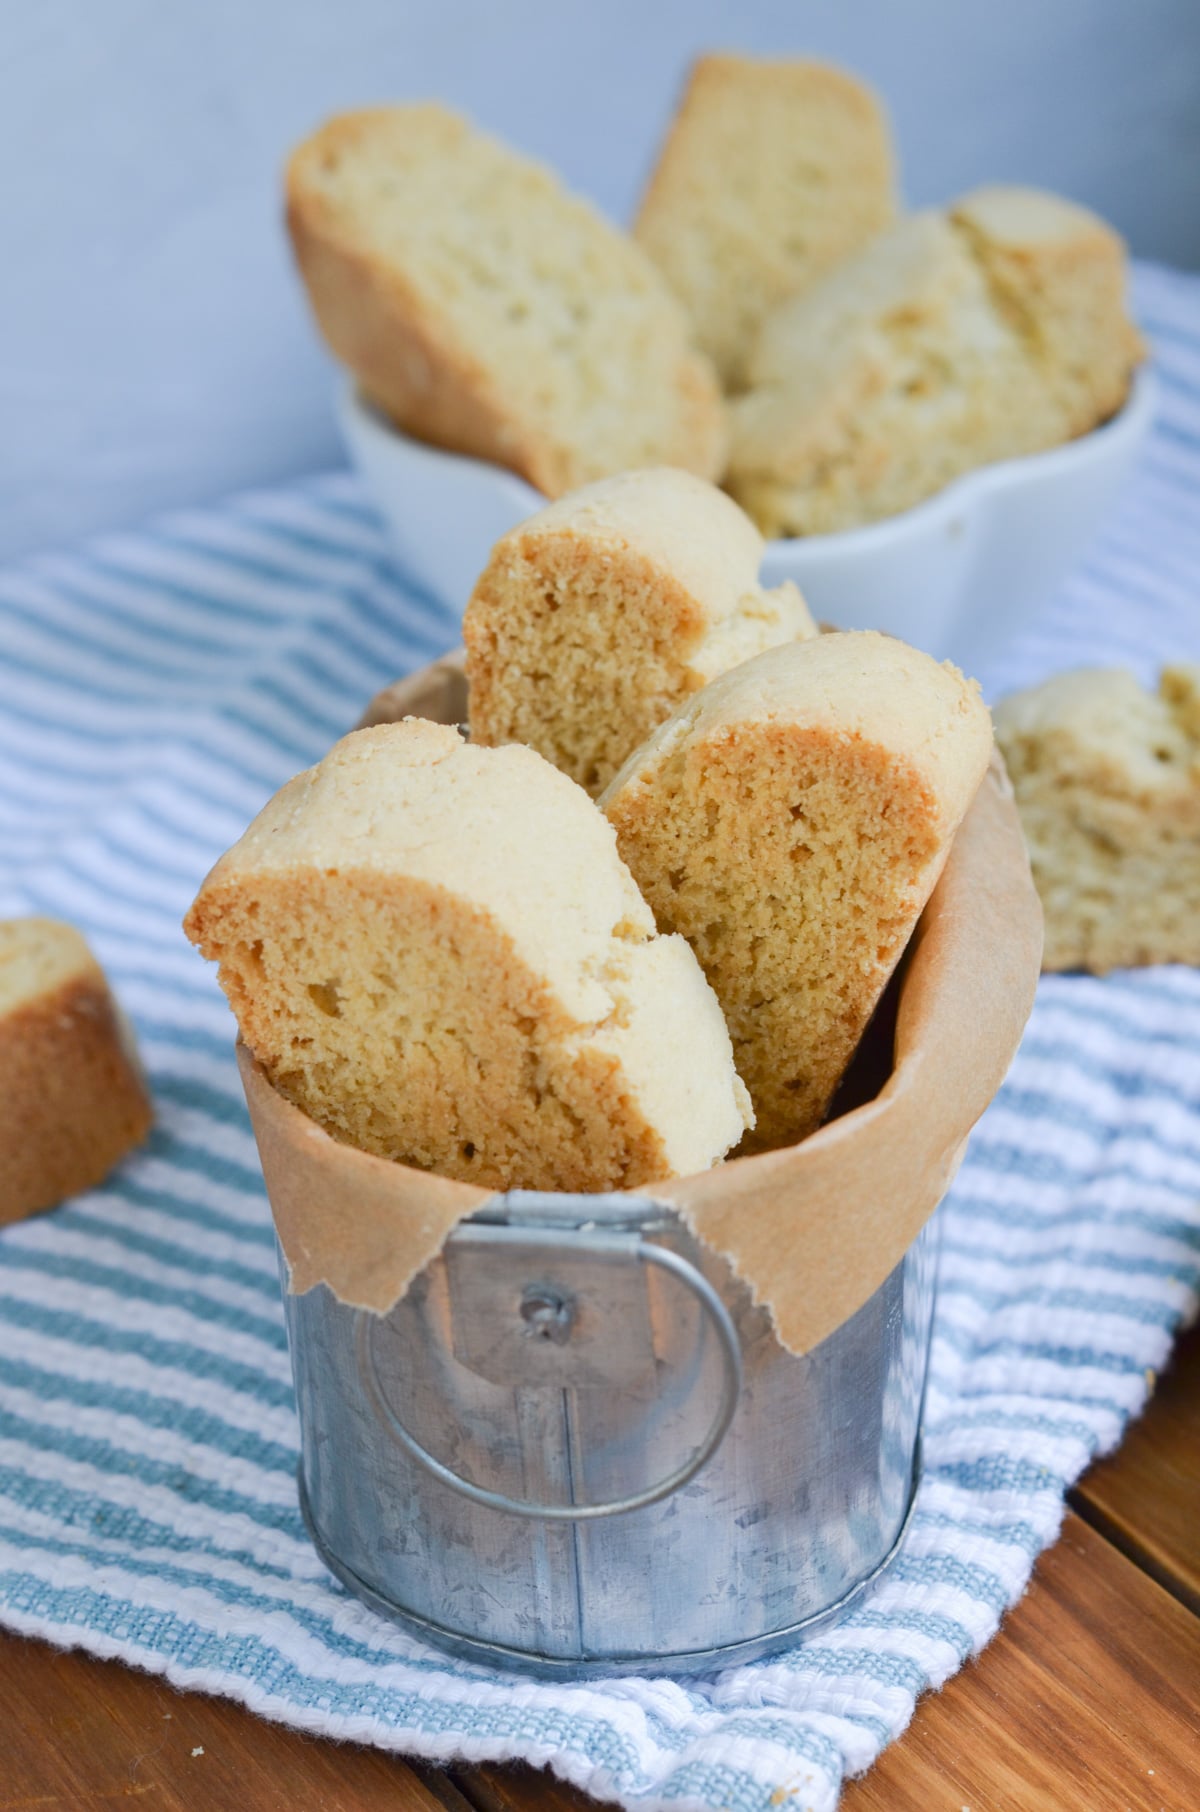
point(927, 415)
point(488, 311)
point(930, 432)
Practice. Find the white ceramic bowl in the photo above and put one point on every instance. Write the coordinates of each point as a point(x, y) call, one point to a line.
point(958, 575)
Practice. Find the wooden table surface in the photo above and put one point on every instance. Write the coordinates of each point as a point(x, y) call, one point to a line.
point(1087, 1701)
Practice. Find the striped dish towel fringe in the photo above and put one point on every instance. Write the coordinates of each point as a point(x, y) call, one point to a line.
point(154, 690)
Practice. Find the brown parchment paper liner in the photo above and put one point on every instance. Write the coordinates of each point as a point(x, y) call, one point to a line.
point(814, 1229)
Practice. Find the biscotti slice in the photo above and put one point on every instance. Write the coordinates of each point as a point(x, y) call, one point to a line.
point(771, 173)
point(486, 310)
point(1107, 779)
point(595, 618)
point(791, 822)
point(874, 388)
point(943, 346)
point(1058, 273)
point(72, 1097)
point(435, 951)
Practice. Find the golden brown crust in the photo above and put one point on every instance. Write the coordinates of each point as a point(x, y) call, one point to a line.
point(374, 323)
point(72, 1099)
point(438, 692)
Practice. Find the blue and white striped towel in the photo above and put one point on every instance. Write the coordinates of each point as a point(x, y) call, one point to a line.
point(154, 689)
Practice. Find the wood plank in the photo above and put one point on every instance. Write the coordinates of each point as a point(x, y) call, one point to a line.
point(81, 1735)
point(1086, 1699)
point(518, 1789)
point(1146, 1497)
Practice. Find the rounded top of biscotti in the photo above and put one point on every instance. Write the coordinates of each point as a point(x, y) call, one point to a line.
point(436, 951)
point(38, 956)
point(848, 686)
point(1100, 726)
point(700, 537)
point(414, 801)
point(1014, 218)
point(594, 617)
point(1104, 701)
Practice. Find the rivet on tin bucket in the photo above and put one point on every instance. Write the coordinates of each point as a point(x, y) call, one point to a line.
point(555, 1313)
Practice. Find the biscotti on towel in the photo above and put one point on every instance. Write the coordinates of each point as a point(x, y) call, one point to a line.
point(791, 822)
point(595, 618)
point(486, 310)
point(771, 172)
point(72, 1097)
point(954, 339)
point(435, 951)
point(1107, 779)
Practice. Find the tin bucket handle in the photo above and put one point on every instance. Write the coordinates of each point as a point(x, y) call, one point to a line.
point(731, 1388)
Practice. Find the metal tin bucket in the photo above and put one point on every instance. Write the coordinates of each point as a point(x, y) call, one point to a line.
point(576, 1447)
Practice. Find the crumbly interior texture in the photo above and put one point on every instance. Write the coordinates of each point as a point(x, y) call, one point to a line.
point(791, 822)
point(435, 952)
point(595, 618)
point(995, 329)
point(1107, 779)
point(485, 309)
point(72, 1097)
point(771, 173)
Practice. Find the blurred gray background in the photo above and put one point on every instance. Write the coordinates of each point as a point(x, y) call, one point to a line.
point(154, 346)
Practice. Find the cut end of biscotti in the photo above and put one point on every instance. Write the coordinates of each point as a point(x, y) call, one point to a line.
point(72, 1097)
point(1107, 782)
point(435, 952)
point(791, 822)
point(772, 172)
point(597, 616)
point(488, 311)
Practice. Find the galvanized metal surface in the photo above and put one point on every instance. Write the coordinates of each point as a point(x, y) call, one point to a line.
point(543, 1360)
point(561, 1336)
